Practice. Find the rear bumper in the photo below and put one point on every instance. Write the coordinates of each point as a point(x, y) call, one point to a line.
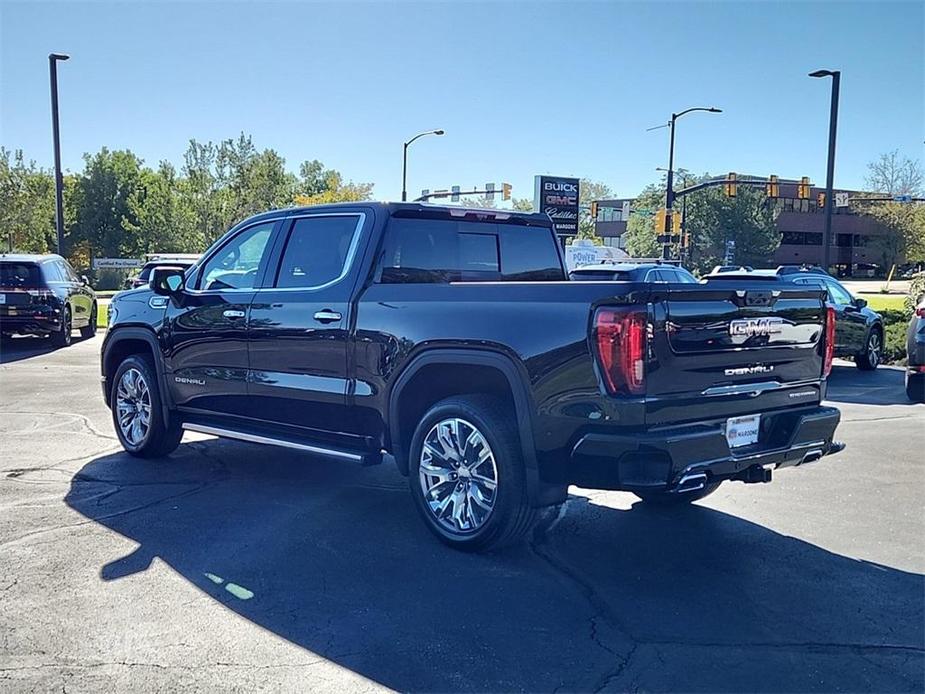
point(30, 324)
point(660, 459)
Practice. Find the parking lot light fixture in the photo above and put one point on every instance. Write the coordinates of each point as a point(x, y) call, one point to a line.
point(53, 59)
point(830, 164)
point(404, 162)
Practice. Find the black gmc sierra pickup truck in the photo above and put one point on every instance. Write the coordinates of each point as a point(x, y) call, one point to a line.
point(451, 340)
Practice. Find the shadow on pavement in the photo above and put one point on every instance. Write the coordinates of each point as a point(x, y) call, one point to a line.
point(333, 559)
point(885, 386)
point(25, 347)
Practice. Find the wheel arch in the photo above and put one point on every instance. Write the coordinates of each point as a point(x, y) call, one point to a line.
point(481, 359)
point(125, 342)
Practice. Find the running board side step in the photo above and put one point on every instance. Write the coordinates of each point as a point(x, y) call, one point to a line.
point(313, 448)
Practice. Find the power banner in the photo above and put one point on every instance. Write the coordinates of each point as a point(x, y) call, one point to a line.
point(558, 197)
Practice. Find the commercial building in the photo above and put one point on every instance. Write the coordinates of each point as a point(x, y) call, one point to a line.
point(855, 251)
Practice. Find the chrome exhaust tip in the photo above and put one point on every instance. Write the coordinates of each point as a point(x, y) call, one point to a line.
point(691, 483)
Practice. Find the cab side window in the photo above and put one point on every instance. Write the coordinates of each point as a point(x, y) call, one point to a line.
point(318, 250)
point(235, 264)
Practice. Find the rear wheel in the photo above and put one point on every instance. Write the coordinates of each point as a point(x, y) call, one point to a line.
point(665, 498)
point(137, 412)
point(467, 475)
point(62, 336)
point(89, 330)
point(870, 358)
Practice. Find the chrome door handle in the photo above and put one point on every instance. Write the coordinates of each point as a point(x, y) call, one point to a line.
point(327, 316)
point(230, 313)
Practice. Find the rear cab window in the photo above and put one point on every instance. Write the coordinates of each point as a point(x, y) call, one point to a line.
point(419, 250)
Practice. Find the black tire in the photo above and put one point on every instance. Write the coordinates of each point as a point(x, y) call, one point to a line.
point(870, 358)
point(89, 330)
point(511, 515)
point(664, 498)
point(915, 387)
point(63, 336)
point(161, 437)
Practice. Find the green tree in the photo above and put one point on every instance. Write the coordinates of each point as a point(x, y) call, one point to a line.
point(641, 236)
point(27, 205)
point(904, 227)
point(522, 204)
point(164, 218)
point(748, 220)
point(101, 198)
point(590, 191)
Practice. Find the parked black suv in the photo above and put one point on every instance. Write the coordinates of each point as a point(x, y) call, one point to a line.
point(858, 329)
point(451, 340)
point(42, 295)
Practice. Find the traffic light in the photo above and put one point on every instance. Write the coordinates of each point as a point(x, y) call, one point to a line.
point(686, 240)
point(594, 211)
point(660, 221)
point(803, 188)
point(820, 200)
point(730, 186)
point(773, 188)
point(505, 191)
point(676, 223)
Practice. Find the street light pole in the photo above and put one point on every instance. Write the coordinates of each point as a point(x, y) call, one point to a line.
point(404, 161)
point(53, 59)
point(669, 192)
point(830, 165)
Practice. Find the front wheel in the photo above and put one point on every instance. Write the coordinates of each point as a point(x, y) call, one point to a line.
point(467, 474)
point(870, 358)
point(137, 413)
point(665, 498)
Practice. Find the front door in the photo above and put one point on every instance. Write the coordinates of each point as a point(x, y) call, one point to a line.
point(206, 327)
point(299, 327)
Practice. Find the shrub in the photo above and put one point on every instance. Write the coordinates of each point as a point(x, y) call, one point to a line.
point(916, 291)
point(894, 343)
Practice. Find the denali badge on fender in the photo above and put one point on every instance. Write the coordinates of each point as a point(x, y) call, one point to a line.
point(745, 370)
point(755, 326)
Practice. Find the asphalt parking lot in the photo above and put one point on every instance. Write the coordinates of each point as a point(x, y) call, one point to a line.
point(230, 566)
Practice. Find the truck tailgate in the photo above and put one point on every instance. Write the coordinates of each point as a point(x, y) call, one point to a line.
point(745, 346)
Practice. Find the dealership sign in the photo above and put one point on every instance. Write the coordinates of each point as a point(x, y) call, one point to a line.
point(558, 197)
point(115, 263)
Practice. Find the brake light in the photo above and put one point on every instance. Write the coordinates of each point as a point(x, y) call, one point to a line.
point(620, 339)
point(829, 341)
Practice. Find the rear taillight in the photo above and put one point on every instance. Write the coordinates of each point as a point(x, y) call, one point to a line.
point(829, 340)
point(620, 341)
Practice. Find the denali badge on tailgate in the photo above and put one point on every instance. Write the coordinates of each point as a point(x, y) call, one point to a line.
point(755, 326)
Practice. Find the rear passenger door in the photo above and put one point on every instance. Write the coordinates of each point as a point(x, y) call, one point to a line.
point(299, 326)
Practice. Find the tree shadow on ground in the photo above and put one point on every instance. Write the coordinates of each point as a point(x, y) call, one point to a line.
point(885, 386)
point(333, 559)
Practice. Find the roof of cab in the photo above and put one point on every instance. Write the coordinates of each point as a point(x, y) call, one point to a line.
point(409, 209)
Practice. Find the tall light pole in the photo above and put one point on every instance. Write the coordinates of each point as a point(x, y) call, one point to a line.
point(669, 193)
point(53, 59)
point(404, 162)
point(830, 167)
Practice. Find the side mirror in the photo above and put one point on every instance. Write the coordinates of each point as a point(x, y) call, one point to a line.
point(168, 281)
point(860, 303)
point(84, 281)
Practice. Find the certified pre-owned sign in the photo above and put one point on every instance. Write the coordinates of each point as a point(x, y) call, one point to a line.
point(558, 197)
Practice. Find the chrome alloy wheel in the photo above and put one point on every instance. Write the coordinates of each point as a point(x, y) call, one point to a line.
point(133, 407)
point(874, 348)
point(458, 475)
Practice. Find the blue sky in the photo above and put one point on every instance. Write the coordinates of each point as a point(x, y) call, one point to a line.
point(520, 88)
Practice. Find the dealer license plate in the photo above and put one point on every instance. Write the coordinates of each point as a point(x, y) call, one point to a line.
point(742, 431)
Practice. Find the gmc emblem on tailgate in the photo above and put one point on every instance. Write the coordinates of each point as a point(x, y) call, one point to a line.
point(749, 327)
